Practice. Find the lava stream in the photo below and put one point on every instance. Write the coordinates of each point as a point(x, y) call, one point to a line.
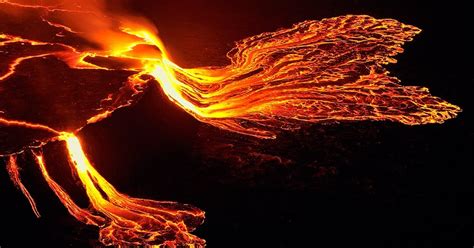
point(329, 70)
point(124, 220)
point(14, 173)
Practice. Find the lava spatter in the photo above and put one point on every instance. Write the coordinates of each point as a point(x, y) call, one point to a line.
point(71, 63)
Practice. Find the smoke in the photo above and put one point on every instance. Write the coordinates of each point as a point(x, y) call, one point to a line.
point(103, 23)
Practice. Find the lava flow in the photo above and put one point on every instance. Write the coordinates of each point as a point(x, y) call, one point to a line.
point(71, 63)
point(126, 220)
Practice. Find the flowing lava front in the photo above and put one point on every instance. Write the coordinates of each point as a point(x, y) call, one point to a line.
point(316, 71)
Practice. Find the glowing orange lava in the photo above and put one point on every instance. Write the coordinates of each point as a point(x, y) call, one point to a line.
point(124, 220)
point(316, 71)
point(14, 172)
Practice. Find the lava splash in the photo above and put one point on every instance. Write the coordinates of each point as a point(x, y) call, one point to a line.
point(315, 71)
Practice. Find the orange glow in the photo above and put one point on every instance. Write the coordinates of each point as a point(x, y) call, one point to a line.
point(124, 220)
point(78, 213)
point(130, 220)
point(315, 71)
point(14, 173)
point(303, 74)
point(27, 125)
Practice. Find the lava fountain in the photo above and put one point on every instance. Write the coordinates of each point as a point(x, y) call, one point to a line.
point(315, 71)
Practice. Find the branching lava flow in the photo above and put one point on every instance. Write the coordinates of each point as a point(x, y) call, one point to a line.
point(315, 71)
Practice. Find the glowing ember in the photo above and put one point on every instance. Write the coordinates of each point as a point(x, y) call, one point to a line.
point(315, 71)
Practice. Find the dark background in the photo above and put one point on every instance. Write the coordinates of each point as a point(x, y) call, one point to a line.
point(354, 184)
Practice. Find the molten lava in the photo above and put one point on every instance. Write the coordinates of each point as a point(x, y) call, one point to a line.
point(14, 172)
point(316, 71)
point(124, 220)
